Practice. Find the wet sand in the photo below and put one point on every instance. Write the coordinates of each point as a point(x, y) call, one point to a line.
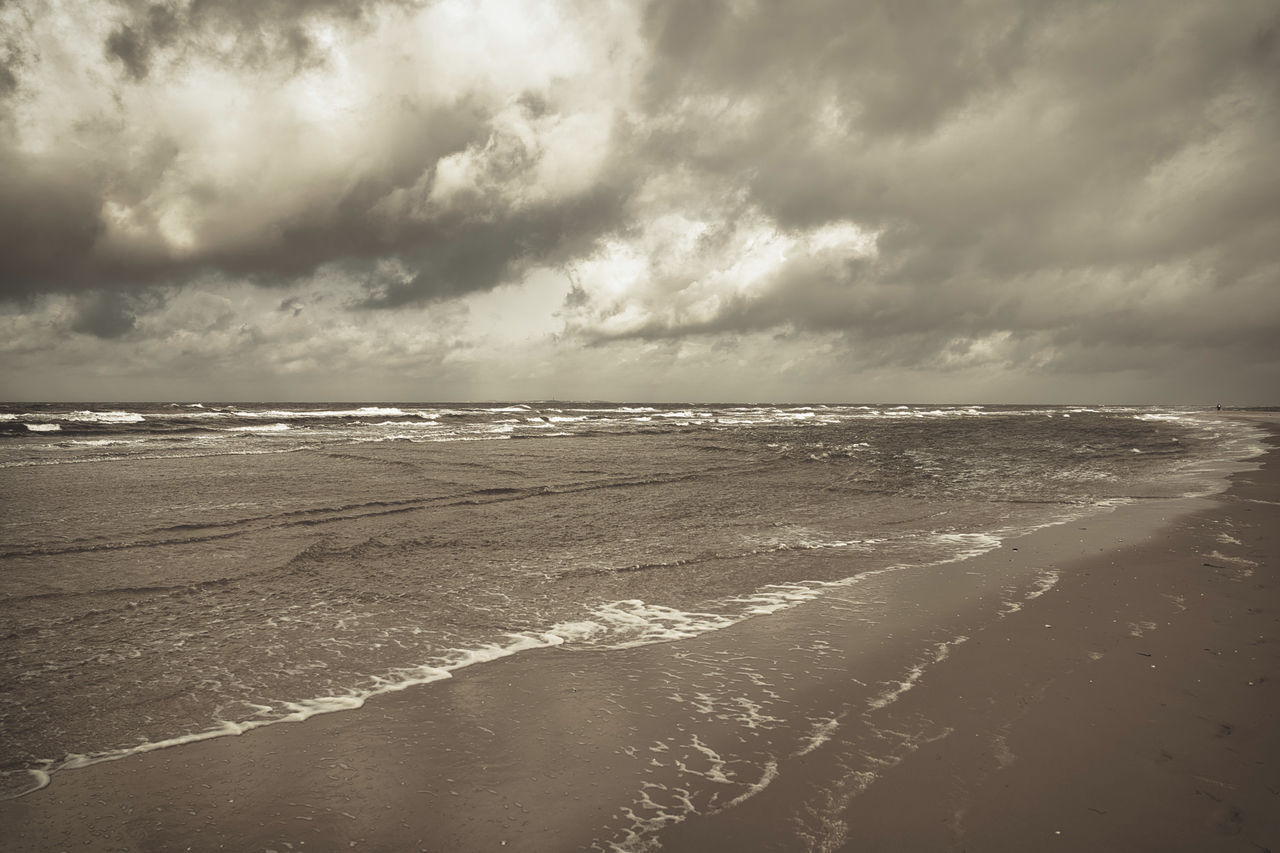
point(1134, 707)
point(1110, 684)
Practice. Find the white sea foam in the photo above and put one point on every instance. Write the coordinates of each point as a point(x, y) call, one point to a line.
point(684, 414)
point(774, 597)
point(304, 709)
point(637, 839)
point(1045, 581)
point(1048, 580)
point(632, 622)
point(940, 653)
point(32, 781)
point(969, 544)
point(43, 427)
point(648, 815)
point(114, 417)
point(766, 778)
point(1245, 565)
point(279, 427)
point(716, 772)
point(1138, 629)
point(614, 410)
point(823, 730)
point(290, 414)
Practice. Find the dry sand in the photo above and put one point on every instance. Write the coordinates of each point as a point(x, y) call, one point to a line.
point(1131, 706)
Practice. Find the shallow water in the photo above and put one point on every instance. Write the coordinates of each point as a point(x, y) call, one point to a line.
point(169, 573)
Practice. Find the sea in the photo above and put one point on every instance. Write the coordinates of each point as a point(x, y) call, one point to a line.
point(173, 572)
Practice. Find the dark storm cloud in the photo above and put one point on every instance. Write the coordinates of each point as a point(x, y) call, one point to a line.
point(1001, 150)
point(49, 221)
point(479, 253)
point(56, 204)
point(927, 184)
point(905, 65)
point(104, 315)
point(257, 32)
point(9, 66)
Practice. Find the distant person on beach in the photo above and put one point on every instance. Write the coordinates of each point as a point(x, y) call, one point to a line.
point(1219, 407)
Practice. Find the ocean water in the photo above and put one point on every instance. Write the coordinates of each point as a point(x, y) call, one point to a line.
point(173, 572)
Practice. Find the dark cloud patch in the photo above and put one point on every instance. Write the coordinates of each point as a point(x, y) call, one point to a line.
point(126, 45)
point(476, 243)
point(49, 222)
point(456, 265)
point(15, 55)
point(996, 147)
point(900, 68)
point(8, 81)
point(479, 254)
point(54, 236)
point(154, 27)
point(125, 205)
point(577, 297)
point(104, 315)
point(1048, 320)
point(255, 34)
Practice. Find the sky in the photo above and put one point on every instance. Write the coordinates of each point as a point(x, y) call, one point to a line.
point(706, 200)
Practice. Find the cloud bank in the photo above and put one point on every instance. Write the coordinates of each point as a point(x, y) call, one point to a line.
point(721, 200)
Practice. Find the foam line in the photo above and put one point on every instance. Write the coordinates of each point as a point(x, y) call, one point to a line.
point(301, 710)
point(940, 653)
point(766, 778)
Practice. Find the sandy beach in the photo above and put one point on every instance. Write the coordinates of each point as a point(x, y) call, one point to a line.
point(642, 425)
point(1106, 685)
point(1131, 708)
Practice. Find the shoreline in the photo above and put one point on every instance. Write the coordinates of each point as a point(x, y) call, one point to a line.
point(531, 752)
point(1132, 708)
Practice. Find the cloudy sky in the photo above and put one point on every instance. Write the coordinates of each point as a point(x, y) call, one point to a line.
point(681, 199)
